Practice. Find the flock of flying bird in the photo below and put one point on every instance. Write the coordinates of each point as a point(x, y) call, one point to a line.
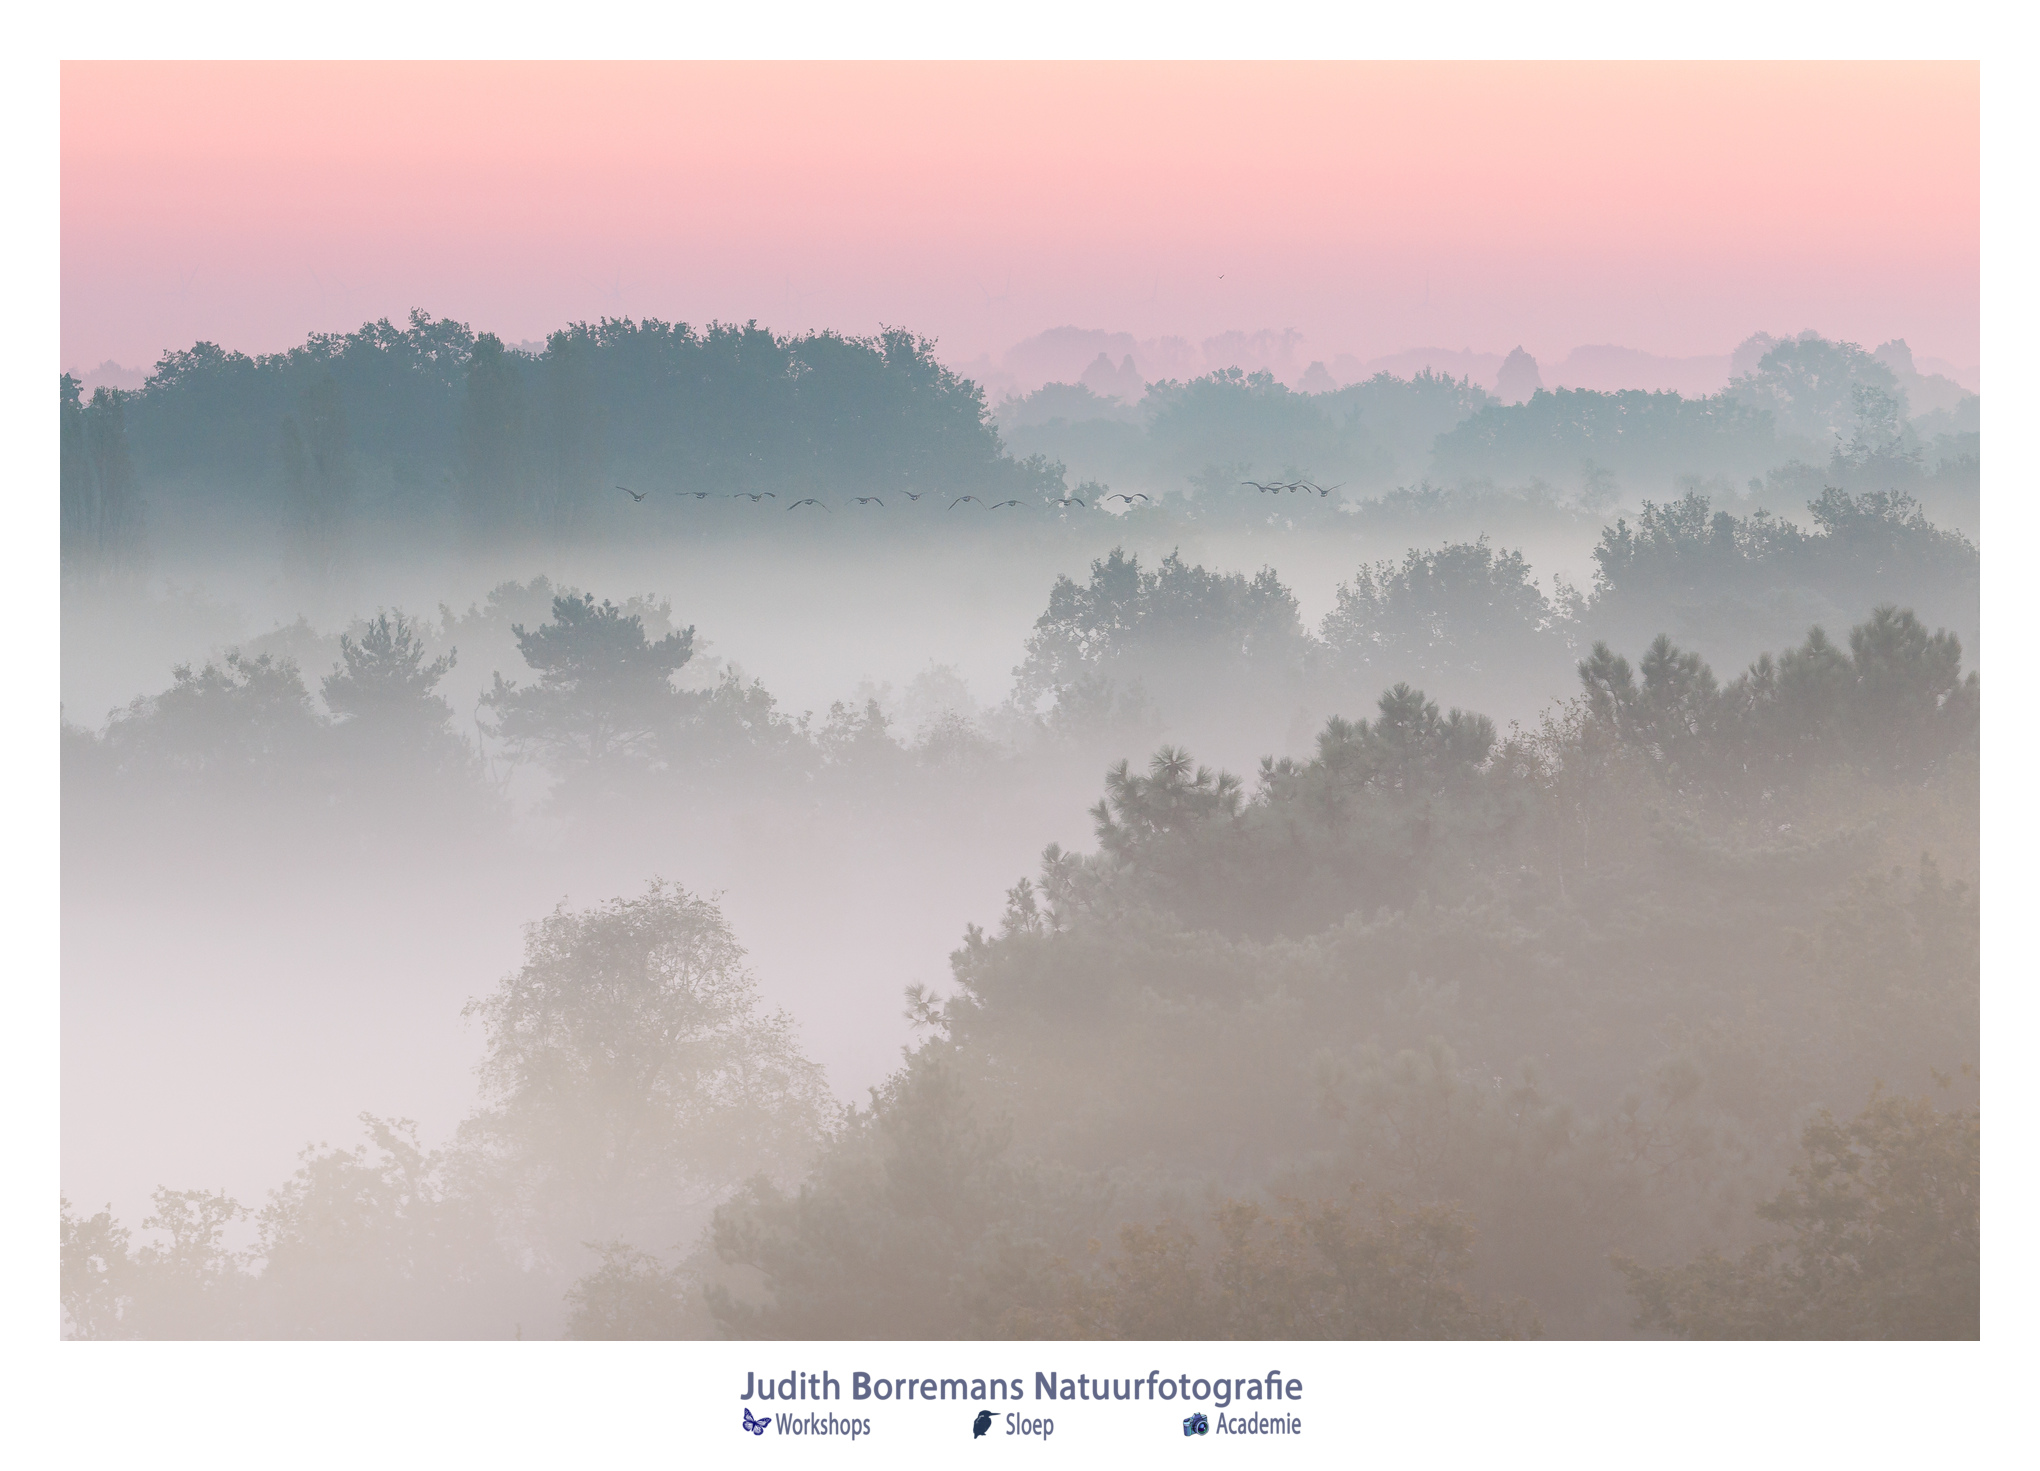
point(1273, 487)
point(869, 500)
point(1306, 486)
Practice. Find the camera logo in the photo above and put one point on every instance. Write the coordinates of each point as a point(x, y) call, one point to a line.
point(1196, 1425)
point(755, 1426)
point(980, 1425)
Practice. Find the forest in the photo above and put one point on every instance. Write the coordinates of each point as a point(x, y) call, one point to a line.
point(1515, 878)
point(429, 433)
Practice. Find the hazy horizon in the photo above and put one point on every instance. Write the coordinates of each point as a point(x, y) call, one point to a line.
point(250, 204)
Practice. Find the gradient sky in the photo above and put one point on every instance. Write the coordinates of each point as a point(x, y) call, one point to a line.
point(1670, 207)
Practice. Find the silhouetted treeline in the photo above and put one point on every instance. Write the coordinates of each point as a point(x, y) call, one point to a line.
point(1136, 644)
point(390, 434)
point(583, 696)
point(432, 423)
point(1808, 412)
point(100, 505)
point(545, 695)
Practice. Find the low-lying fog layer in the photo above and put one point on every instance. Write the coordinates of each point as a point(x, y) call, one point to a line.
point(324, 982)
point(1455, 911)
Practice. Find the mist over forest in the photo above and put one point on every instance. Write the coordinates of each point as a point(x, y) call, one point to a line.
point(695, 832)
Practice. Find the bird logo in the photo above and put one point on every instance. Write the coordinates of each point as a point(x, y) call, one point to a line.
point(981, 1424)
point(757, 1425)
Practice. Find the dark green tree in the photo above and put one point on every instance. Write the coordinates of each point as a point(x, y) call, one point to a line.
point(390, 719)
point(604, 695)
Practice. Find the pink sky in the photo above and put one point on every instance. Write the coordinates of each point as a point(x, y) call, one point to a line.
point(1674, 208)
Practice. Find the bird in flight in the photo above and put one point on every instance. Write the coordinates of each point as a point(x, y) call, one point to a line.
point(961, 499)
point(810, 501)
point(996, 504)
point(870, 500)
point(1129, 499)
point(700, 495)
point(636, 495)
point(752, 496)
point(1264, 489)
point(1322, 490)
point(913, 495)
point(1070, 500)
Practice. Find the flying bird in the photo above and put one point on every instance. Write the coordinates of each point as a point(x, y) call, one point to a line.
point(913, 495)
point(1070, 500)
point(810, 501)
point(961, 499)
point(1129, 499)
point(753, 496)
point(636, 495)
point(1264, 489)
point(996, 504)
point(870, 500)
point(700, 495)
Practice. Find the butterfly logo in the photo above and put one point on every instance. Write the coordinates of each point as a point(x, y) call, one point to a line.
point(756, 1426)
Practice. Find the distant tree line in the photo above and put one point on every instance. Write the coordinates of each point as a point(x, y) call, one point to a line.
point(433, 422)
point(1809, 412)
point(600, 698)
point(431, 429)
point(100, 517)
point(1138, 644)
